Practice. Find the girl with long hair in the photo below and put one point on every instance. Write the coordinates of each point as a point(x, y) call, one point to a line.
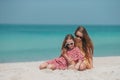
point(85, 44)
point(71, 56)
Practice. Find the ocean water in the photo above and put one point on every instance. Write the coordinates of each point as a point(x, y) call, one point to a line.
point(20, 43)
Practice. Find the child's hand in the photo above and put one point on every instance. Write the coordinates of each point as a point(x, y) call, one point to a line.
point(69, 60)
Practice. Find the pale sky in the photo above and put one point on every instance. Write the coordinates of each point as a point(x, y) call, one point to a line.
point(60, 11)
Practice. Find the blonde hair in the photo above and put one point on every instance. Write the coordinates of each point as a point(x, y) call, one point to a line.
point(87, 44)
point(65, 48)
point(68, 36)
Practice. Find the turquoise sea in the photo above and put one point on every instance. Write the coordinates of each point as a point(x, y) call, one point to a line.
point(20, 43)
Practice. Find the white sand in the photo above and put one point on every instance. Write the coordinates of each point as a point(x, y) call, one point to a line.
point(105, 68)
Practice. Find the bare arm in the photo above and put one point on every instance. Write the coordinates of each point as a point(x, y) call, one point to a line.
point(68, 59)
point(90, 59)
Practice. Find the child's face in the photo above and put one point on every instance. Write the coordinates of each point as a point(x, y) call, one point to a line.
point(70, 43)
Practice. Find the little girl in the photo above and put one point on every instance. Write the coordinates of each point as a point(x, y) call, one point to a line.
point(71, 56)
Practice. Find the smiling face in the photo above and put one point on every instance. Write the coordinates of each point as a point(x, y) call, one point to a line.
point(70, 43)
point(79, 35)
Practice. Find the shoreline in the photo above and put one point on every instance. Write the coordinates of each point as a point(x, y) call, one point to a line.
point(105, 68)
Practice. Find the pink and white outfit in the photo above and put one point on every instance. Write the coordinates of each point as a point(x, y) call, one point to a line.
point(61, 63)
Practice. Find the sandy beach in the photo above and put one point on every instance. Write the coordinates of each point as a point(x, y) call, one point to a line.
point(105, 68)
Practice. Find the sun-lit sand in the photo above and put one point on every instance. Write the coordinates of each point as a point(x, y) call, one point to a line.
point(105, 68)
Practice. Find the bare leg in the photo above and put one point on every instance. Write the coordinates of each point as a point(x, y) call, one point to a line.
point(82, 66)
point(78, 65)
point(51, 66)
point(71, 65)
point(43, 65)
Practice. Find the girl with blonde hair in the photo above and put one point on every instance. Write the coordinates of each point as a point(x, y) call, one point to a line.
point(71, 56)
point(85, 44)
